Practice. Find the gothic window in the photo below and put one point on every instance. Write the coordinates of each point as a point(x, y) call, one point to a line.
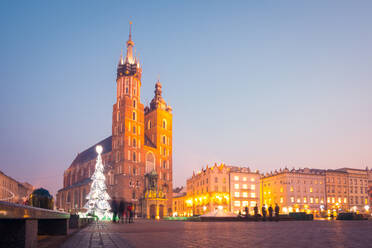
point(134, 142)
point(134, 195)
point(137, 183)
point(126, 90)
point(134, 156)
point(134, 129)
point(150, 162)
point(165, 152)
point(149, 125)
point(164, 124)
point(118, 116)
point(164, 164)
point(117, 156)
point(134, 171)
point(134, 116)
point(134, 103)
point(164, 139)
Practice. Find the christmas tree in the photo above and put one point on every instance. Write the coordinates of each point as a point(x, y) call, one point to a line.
point(97, 204)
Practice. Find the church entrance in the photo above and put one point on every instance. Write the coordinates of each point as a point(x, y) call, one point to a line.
point(161, 211)
point(152, 211)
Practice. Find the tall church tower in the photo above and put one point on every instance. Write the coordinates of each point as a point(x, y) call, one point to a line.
point(128, 127)
point(141, 141)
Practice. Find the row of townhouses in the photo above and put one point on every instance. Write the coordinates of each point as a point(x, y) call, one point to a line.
point(234, 189)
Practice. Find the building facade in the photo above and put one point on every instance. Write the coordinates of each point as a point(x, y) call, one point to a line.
point(317, 191)
point(208, 190)
point(244, 189)
point(179, 202)
point(294, 190)
point(13, 191)
point(141, 143)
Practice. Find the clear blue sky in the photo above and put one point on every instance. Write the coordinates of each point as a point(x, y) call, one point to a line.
point(253, 83)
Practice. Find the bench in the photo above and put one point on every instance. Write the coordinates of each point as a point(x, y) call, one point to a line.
point(20, 224)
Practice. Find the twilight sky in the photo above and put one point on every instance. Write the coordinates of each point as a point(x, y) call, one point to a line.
point(264, 84)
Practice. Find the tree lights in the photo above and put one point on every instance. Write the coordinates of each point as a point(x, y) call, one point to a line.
point(97, 204)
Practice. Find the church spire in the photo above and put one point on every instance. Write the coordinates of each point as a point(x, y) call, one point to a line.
point(129, 58)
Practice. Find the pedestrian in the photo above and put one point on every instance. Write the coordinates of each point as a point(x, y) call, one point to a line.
point(246, 209)
point(114, 207)
point(263, 213)
point(271, 213)
point(131, 214)
point(121, 211)
point(277, 209)
point(127, 214)
point(255, 209)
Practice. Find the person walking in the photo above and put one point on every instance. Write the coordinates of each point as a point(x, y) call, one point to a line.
point(271, 213)
point(263, 213)
point(246, 209)
point(131, 214)
point(255, 209)
point(127, 217)
point(121, 211)
point(114, 207)
point(277, 209)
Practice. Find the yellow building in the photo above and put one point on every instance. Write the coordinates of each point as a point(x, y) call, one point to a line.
point(179, 202)
point(244, 189)
point(358, 189)
point(294, 190)
point(337, 185)
point(208, 190)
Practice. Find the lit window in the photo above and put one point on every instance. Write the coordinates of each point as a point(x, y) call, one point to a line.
point(281, 199)
point(345, 200)
point(316, 200)
point(292, 199)
point(305, 200)
point(236, 186)
point(236, 178)
point(311, 190)
point(339, 200)
point(245, 194)
point(245, 186)
point(281, 190)
point(291, 189)
point(253, 195)
point(328, 200)
point(252, 179)
point(245, 203)
point(311, 200)
point(298, 200)
point(237, 194)
point(333, 200)
point(237, 203)
point(244, 179)
point(253, 187)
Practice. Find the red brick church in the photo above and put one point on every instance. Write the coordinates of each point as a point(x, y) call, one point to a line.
point(138, 155)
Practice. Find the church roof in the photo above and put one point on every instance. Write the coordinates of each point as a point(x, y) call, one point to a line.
point(91, 153)
point(148, 142)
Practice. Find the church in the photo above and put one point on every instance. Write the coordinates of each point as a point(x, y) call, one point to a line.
point(137, 156)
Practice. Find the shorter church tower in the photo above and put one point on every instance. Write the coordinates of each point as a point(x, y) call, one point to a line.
point(158, 131)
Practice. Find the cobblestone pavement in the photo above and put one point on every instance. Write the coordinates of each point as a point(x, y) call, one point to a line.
point(155, 234)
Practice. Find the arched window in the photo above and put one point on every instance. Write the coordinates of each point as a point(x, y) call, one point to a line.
point(134, 116)
point(118, 116)
point(134, 129)
point(117, 156)
point(134, 142)
point(164, 124)
point(149, 125)
point(134, 103)
point(164, 139)
point(164, 164)
point(126, 90)
point(134, 195)
point(134, 156)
